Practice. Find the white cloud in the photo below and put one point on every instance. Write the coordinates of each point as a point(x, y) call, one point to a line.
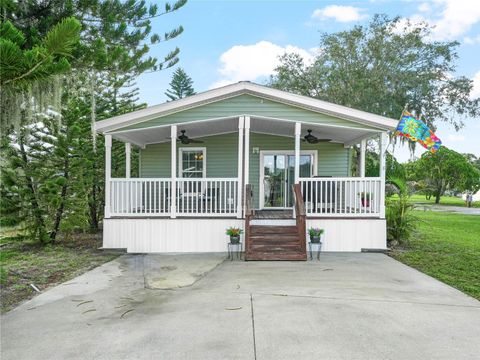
point(471, 40)
point(457, 17)
point(250, 62)
point(450, 18)
point(424, 7)
point(455, 138)
point(476, 86)
point(340, 13)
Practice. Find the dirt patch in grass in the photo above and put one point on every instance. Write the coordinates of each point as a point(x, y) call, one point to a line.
point(23, 263)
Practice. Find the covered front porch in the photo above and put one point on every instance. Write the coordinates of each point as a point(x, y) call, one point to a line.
point(207, 177)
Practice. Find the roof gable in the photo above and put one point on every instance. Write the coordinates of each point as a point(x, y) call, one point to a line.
point(245, 98)
point(244, 104)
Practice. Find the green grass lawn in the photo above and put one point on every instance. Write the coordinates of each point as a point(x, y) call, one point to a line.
point(444, 200)
point(447, 247)
point(23, 263)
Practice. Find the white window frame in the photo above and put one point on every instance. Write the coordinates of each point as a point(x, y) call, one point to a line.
point(180, 158)
point(313, 153)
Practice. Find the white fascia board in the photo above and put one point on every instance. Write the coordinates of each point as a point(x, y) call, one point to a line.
point(325, 107)
point(184, 123)
point(313, 124)
point(240, 88)
point(126, 139)
point(357, 140)
point(167, 108)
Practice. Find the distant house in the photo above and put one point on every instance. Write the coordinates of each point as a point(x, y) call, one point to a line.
point(200, 153)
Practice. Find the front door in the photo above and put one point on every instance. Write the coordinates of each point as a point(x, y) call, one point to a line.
point(278, 176)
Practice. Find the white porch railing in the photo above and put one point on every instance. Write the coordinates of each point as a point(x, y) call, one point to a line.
point(193, 197)
point(342, 197)
point(210, 197)
point(207, 196)
point(140, 197)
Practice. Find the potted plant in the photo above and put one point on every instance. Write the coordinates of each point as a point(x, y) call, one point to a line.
point(315, 234)
point(365, 197)
point(234, 234)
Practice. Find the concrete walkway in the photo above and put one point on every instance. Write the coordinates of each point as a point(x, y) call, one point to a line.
point(448, 208)
point(347, 306)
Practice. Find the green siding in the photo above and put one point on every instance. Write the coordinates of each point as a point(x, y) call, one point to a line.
point(246, 104)
point(222, 158)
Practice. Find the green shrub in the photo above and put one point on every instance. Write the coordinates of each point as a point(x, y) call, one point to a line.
point(401, 223)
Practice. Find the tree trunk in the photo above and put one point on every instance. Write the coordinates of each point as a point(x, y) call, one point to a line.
point(63, 199)
point(92, 203)
point(37, 215)
point(357, 161)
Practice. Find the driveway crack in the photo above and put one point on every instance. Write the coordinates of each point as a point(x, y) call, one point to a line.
point(253, 328)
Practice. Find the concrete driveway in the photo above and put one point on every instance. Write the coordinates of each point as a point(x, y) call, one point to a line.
point(347, 306)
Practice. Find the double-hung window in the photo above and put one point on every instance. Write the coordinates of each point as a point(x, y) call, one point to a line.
point(192, 162)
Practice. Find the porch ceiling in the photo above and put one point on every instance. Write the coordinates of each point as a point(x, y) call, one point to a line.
point(271, 126)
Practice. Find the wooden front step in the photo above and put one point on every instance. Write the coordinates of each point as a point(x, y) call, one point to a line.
point(274, 243)
point(279, 241)
point(272, 230)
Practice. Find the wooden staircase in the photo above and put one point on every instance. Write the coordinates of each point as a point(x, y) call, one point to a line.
point(275, 242)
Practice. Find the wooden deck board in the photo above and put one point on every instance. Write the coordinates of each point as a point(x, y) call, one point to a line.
point(273, 214)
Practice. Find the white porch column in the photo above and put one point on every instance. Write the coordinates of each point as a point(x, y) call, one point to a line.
point(247, 151)
point(240, 190)
point(363, 147)
point(108, 174)
point(383, 148)
point(128, 151)
point(298, 131)
point(173, 171)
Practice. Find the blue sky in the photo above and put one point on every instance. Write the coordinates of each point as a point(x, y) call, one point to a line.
point(228, 41)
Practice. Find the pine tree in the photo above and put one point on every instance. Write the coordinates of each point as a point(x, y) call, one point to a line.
point(40, 160)
point(27, 74)
point(181, 85)
point(53, 170)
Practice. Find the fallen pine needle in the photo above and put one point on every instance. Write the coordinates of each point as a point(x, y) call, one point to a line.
point(85, 302)
point(118, 307)
point(32, 308)
point(89, 310)
point(234, 308)
point(126, 312)
point(78, 300)
point(126, 298)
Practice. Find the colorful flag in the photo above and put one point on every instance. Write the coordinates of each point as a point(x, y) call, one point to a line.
point(416, 130)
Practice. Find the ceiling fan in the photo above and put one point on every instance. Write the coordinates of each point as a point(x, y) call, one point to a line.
point(312, 139)
point(184, 139)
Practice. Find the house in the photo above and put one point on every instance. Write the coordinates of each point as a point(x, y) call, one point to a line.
point(199, 154)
